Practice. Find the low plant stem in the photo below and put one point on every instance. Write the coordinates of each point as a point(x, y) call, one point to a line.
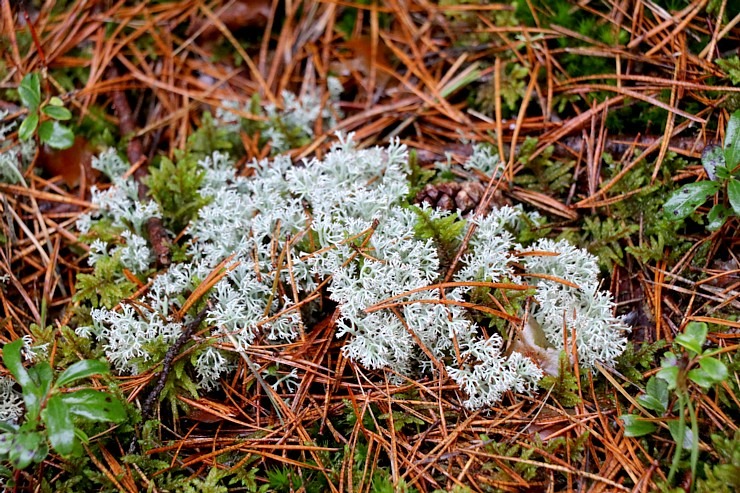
point(694, 442)
point(680, 438)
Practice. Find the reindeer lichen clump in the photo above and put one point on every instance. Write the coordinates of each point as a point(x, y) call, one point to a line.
point(343, 221)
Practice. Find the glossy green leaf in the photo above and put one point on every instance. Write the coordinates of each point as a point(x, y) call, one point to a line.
point(670, 375)
point(693, 336)
point(14, 364)
point(56, 101)
point(24, 449)
point(57, 112)
point(716, 370)
point(59, 425)
point(35, 392)
point(636, 426)
point(688, 198)
point(28, 126)
point(656, 395)
point(95, 405)
point(712, 157)
point(700, 377)
point(41, 452)
point(42, 375)
point(6, 441)
point(81, 369)
point(733, 194)
point(30, 91)
point(649, 402)
point(81, 435)
point(717, 216)
point(732, 141)
point(669, 370)
point(56, 135)
point(8, 427)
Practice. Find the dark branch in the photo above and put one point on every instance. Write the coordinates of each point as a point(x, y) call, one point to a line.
point(158, 236)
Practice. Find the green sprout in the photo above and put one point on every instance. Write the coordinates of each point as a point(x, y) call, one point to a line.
point(681, 371)
point(53, 412)
point(44, 116)
point(721, 166)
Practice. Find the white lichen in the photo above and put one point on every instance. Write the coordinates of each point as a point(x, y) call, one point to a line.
point(343, 219)
point(585, 312)
point(11, 401)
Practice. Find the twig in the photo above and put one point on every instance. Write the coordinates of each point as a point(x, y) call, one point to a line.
point(158, 236)
point(616, 145)
point(169, 357)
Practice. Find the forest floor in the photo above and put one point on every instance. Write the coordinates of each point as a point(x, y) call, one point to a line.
point(597, 114)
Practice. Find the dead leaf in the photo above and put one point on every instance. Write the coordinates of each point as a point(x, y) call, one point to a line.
point(208, 411)
point(355, 57)
point(69, 164)
point(243, 13)
point(532, 343)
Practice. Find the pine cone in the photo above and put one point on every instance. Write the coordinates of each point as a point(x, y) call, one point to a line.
point(451, 196)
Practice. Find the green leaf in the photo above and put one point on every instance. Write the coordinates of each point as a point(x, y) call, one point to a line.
point(636, 426)
point(712, 157)
point(82, 369)
point(723, 174)
point(57, 112)
point(6, 441)
point(717, 216)
point(656, 395)
point(81, 435)
point(733, 193)
point(104, 287)
point(56, 101)
point(732, 141)
point(25, 446)
point(12, 361)
point(649, 402)
point(693, 336)
point(60, 427)
point(688, 436)
point(41, 376)
point(28, 126)
point(688, 198)
point(41, 452)
point(95, 405)
point(669, 370)
point(56, 135)
point(701, 378)
point(30, 91)
point(8, 427)
point(714, 368)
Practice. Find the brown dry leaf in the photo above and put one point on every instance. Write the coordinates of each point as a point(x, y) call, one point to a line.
point(242, 13)
point(70, 164)
point(726, 273)
point(356, 57)
point(208, 411)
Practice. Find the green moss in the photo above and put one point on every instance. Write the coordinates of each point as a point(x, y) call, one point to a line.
point(544, 173)
point(446, 232)
point(722, 476)
point(106, 286)
point(174, 186)
point(636, 359)
point(564, 386)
